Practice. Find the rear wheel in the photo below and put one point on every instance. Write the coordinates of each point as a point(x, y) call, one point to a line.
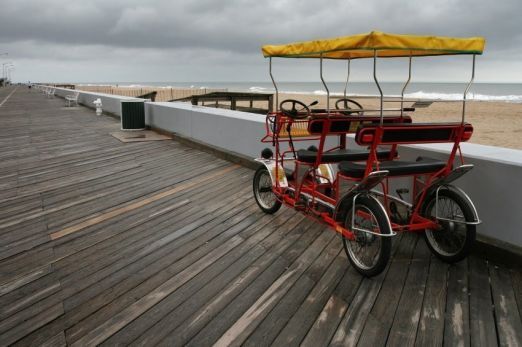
point(368, 253)
point(265, 197)
point(452, 241)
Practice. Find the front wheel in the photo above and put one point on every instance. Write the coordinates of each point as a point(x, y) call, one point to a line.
point(265, 197)
point(453, 240)
point(368, 253)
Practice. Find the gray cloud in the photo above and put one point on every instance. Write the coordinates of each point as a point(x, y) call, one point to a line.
point(221, 40)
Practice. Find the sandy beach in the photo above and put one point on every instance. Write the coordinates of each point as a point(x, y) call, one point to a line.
point(495, 123)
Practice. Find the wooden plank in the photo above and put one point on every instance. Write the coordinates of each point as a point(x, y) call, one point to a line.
point(137, 227)
point(57, 340)
point(266, 332)
point(22, 280)
point(481, 313)
point(404, 328)
point(102, 332)
point(135, 205)
point(509, 325)
point(13, 304)
point(244, 326)
point(174, 310)
point(210, 322)
point(103, 278)
point(189, 320)
point(179, 207)
point(370, 314)
point(146, 267)
point(456, 324)
point(100, 299)
point(430, 331)
point(14, 320)
point(81, 213)
point(279, 316)
point(516, 277)
point(324, 327)
point(298, 326)
point(31, 324)
point(139, 230)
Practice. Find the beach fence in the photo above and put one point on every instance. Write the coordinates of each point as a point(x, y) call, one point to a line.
point(163, 93)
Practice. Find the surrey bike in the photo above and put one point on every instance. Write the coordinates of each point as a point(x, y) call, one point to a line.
point(365, 191)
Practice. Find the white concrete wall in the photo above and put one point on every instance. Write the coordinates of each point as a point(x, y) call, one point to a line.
point(494, 184)
point(110, 103)
point(236, 131)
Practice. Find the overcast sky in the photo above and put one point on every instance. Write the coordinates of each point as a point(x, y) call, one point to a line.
point(210, 40)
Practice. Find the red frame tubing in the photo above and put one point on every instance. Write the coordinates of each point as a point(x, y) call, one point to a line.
point(371, 136)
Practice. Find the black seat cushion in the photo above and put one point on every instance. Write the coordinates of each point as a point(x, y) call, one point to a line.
point(339, 155)
point(395, 167)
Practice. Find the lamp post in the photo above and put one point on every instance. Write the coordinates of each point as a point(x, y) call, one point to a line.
point(10, 63)
point(4, 70)
point(9, 69)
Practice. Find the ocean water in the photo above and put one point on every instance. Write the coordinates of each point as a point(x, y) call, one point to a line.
point(504, 92)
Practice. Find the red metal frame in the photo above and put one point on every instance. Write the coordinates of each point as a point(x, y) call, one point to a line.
point(370, 136)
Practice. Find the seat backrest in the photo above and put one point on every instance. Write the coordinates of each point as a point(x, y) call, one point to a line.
point(348, 124)
point(414, 133)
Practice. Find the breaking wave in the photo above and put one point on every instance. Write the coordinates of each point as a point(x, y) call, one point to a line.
point(458, 96)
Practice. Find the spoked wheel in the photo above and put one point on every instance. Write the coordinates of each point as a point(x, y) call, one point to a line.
point(368, 253)
point(265, 197)
point(452, 242)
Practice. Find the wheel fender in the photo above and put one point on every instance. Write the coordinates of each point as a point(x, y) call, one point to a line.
point(345, 202)
point(270, 165)
point(457, 191)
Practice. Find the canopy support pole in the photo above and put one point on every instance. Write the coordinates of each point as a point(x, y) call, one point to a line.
point(377, 83)
point(405, 85)
point(275, 85)
point(467, 88)
point(347, 78)
point(324, 84)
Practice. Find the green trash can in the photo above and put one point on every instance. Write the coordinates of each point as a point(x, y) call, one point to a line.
point(132, 115)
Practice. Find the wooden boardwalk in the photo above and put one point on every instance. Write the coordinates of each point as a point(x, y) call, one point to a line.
point(156, 243)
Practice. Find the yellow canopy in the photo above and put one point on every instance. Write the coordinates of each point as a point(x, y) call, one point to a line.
point(386, 45)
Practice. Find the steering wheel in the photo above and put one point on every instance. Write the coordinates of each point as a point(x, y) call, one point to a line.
point(293, 112)
point(347, 109)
